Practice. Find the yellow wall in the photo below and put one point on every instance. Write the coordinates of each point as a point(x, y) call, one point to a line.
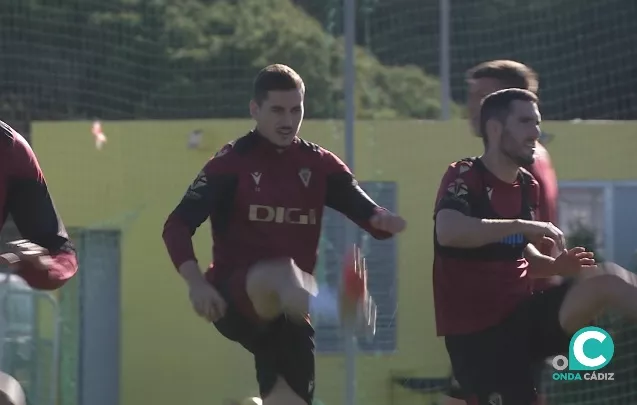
point(167, 353)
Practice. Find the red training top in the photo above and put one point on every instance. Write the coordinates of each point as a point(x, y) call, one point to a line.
point(24, 195)
point(477, 288)
point(265, 202)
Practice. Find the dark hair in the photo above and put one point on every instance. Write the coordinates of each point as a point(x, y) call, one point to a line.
point(510, 73)
point(497, 106)
point(276, 77)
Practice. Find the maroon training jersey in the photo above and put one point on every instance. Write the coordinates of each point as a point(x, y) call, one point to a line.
point(265, 202)
point(542, 170)
point(24, 195)
point(477, 288)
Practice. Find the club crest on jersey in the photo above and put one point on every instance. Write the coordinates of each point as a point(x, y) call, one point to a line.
point(195, 189)
point(305, 174)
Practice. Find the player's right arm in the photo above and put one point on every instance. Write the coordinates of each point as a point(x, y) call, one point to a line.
point(211, 189)
point(454, 225)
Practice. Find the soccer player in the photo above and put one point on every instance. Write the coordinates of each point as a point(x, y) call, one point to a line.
point(489, 77)
point(484, 236)
point(265, 194)
point(45, 257)
point(482, 80)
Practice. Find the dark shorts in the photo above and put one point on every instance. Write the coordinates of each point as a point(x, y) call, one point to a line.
point(455, 390)
point(500, 365)
point(280, 347)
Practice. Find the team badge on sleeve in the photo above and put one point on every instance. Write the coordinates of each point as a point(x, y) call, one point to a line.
point(458, 188)
point(223, 151)
point(196, 188)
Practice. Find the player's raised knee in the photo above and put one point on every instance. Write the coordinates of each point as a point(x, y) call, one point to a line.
point(261, 288)
point(605, 285)
point(278, 285)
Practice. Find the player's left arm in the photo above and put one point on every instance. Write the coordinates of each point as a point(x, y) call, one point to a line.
point(345, 195)
point(31, 207)
point(568, 263)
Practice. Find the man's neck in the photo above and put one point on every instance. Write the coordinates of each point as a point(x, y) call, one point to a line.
point(276, 147)
point(501, 166)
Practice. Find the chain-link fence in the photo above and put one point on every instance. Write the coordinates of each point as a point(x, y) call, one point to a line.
point(30, 334)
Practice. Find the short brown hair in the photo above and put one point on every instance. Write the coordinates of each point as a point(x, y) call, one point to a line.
point(276, 77)
point(497, 106)
point(511, 73)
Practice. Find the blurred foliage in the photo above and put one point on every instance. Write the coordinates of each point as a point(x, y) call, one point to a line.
point(583, 49)
point(196, 58)
point(584, 236)
point(185, 59)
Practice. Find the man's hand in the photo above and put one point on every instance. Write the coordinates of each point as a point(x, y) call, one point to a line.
point(543, 232)
point(26, 251)
point(207, 301)
point(572, 262)
point(388, 222)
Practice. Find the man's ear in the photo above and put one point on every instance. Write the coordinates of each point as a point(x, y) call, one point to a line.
point(254, 109)
point(494, 127)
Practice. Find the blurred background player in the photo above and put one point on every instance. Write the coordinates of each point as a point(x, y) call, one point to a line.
point(195, 138)
point(484, 235)
point(482, 80)
point(492, 76)
point(98, 135)
point(45, 258)
point(265, 194)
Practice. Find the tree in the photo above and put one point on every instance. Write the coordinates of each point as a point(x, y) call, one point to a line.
point(190, 59)
point(582, 49)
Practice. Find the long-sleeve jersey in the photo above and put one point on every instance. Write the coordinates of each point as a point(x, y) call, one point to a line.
point(25, 197)
point(265, 202)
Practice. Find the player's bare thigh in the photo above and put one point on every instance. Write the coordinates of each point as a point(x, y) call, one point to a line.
point(276, 286)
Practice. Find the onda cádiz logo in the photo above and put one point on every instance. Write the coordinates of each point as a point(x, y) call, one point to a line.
point(590, 350)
